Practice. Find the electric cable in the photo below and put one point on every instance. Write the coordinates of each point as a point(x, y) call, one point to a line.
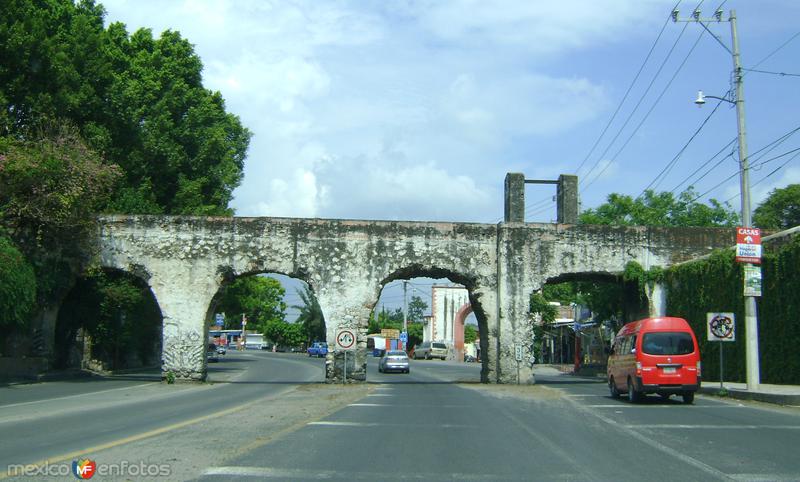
point(704, 165)
point(665, 172)
point(647, 115)
point(639, 102)
point(628, 91)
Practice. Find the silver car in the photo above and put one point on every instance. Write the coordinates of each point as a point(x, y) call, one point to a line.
point(394, 361)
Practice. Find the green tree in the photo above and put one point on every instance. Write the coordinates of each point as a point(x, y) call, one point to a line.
point(415, 333)
point(285, 334)
point(17, 286)
point(260, 298)
point(781, 209)
point(416, 309)
point(660, 209)
point(470, 333)
point(51, 186)
point(136, 99)
point(311, 317)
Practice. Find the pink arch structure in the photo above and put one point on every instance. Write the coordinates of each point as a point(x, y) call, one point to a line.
point(458, 330)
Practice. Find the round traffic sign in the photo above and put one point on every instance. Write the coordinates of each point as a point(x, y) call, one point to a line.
point(721, 326)
point(346, 339)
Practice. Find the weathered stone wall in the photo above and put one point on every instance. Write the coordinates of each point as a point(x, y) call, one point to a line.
point(186, 260)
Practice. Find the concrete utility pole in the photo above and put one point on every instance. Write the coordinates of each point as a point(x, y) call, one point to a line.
point(405, 307)
point(750, 308)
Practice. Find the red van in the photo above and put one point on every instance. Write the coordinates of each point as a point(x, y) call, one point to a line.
point(655, 355)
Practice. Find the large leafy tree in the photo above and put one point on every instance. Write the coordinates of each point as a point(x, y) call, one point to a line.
point(660, 209)
point(260, 298)
point(416, 309)
point(311, 317)
point(136, 100)
point(781, 209)
point(17, 286)
point(51, 184)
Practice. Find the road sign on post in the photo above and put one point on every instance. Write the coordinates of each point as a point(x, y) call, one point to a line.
point(748, 245)
point(346, 339)
point(721, 327)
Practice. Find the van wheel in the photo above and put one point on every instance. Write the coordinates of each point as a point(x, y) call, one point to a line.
point(688, 397)
point(633, 395)
point(612, 387)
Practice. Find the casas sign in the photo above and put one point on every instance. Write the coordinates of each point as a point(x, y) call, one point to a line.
point(748, 245)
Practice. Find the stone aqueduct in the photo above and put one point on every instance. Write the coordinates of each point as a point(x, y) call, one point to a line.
point(186, 260)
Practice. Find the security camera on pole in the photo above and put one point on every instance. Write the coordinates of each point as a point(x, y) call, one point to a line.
point(750, 311)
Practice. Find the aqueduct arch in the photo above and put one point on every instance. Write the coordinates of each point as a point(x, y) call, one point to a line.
point(186, 259)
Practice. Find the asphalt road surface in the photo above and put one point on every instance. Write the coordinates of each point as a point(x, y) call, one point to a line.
point(267, 417)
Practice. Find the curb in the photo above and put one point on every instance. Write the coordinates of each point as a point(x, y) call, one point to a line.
point(774, 398)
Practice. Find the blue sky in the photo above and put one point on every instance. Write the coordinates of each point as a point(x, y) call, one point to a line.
point(416, 110)
point(407, 110)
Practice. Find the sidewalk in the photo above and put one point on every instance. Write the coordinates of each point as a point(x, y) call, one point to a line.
point(777, 394)
point(767, 393)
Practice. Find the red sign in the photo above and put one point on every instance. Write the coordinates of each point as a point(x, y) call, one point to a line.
point(748, 245)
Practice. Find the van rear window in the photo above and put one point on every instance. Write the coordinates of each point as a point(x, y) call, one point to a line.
point(440, 346)
point(667, 343)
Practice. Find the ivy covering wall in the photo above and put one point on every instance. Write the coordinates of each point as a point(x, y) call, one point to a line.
point(715, 285)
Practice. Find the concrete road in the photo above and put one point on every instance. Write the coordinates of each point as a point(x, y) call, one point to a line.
point(266, 417)
point(50, 421)
point(421, 426)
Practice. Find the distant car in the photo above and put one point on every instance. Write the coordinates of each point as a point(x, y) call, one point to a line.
point(211, 354)
point(318, 349)
point(221, 350)
point(428, 350)
point(394, 361)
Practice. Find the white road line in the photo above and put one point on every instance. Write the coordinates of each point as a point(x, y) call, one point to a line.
point(324, 423)
point(580, 395)
point(20, 404)
point(709, 470)
point(370, 405)
point(379, 395)
point(314, 474)
point(723, 427)
point(766, 477)
point(670, 406)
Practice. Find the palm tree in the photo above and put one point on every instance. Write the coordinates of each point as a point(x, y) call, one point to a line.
point(311, 316)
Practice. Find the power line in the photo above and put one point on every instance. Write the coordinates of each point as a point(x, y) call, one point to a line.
point(776, 50)
point(664, 172)
point(796, 153)
point(639, 102)
point(630, 87)
point(647, 115)
point(782, 74)
point(705, 164)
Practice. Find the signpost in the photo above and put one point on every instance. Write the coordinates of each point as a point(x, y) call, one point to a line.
point(219, 319)
point(748, 245)
point(721, 327)
point(345, 341)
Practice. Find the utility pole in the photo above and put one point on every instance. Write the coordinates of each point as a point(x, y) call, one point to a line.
point(405, 306)
point(750, 308)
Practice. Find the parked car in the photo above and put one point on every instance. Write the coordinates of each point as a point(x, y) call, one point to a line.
point(428, 350)
point(211, 354)
point(318, 349)
point(221, 350)
point(394, 361)
point(655, 355)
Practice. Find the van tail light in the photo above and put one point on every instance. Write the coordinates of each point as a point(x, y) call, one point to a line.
point(638, 368)
point(699, 372)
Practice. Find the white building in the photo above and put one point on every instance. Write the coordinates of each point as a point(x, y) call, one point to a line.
point(449, 309)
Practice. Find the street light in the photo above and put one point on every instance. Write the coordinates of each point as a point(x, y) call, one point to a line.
point(750, 313)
